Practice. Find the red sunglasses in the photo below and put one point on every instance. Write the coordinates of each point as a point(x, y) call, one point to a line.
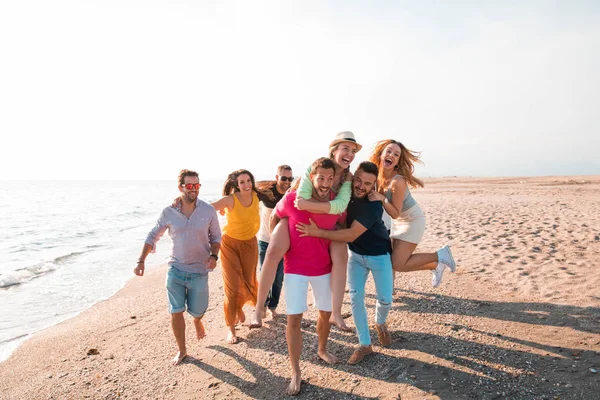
point(191, 186)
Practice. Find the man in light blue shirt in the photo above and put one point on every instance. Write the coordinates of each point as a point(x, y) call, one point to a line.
point(196, 235)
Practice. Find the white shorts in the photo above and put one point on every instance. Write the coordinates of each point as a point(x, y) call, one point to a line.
point(409, 226)
point(295, 288)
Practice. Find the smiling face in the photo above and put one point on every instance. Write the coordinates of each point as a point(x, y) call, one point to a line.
point(390, 156)
point(244, 183)
point(284, 180)
point(343, 154)
point(190, 195)
point(322, 181)
point(363, 183)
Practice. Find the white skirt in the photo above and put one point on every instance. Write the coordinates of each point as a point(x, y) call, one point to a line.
point(409, 226)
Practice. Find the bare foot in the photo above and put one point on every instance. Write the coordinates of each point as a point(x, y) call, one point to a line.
point(274, 314)
point(256, 320)
point(178, 358)
point(327, 357)
point(340, 323)
point(200, 332)
point(294, 387)
point(231, 338)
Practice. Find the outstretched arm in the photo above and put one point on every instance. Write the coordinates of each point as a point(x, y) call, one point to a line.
point(225, 202)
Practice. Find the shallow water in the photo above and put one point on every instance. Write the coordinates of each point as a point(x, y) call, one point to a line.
point(66, 245)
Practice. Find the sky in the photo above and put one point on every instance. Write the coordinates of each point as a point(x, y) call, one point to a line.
point(139, 89)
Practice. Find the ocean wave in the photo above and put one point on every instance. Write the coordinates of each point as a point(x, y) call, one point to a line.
point(25, 274)
point(84, 234)
point(128, 228)
point(67, 257)
point(133, 214)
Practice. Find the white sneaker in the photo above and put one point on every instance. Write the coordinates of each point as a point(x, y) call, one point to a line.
point(438, 273)
point(445, 256)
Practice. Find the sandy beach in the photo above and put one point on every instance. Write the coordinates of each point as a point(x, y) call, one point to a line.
point(520, 319)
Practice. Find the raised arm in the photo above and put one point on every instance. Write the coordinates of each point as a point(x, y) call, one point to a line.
point(394, 207)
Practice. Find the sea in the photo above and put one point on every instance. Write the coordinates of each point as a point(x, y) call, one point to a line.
point(66, 245)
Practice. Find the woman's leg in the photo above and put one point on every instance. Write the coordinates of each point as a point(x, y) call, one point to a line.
point(248, 252)
point(231, 270)
point(278, 246)
point(339, 259)
point(403, 259)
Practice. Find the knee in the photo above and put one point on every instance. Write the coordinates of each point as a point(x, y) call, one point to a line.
point(339, 252)
point(277, 247)
point(294, 322)
point(384, 301)
point(399, 267)
point(177, 316)
point(356, 296)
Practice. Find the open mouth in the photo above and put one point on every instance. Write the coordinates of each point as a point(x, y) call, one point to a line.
point(387, 162)
point(346, 160)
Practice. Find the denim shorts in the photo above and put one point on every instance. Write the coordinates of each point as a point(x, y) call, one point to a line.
point(187, 288)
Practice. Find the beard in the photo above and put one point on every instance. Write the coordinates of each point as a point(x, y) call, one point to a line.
point(190, 197)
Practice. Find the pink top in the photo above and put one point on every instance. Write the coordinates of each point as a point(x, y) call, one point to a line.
point(308, 256)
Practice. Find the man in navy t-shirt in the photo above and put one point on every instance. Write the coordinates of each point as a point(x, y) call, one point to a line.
point(370, 249)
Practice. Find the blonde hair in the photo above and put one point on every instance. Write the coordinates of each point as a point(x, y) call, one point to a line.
point(406, 163)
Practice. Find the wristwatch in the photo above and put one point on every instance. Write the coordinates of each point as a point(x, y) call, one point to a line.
point(216, 257)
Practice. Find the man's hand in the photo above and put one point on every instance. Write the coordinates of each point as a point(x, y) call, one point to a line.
point(211, 263)
point(139, 269)
point(310, 229)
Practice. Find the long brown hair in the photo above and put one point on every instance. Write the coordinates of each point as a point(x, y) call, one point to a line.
point(406, 163)
point(231, 185)
point(265, 187)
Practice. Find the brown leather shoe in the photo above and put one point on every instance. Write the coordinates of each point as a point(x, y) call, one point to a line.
point(385, 338)
point(360, 353)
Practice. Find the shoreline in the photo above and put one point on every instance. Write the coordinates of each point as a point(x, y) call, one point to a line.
point(520, 317)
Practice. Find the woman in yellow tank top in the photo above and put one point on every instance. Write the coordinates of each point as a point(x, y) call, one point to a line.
point(239, 247)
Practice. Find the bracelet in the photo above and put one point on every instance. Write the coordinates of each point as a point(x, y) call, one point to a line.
point(141, 262)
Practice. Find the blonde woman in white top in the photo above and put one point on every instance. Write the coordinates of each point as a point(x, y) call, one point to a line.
point(402, 215)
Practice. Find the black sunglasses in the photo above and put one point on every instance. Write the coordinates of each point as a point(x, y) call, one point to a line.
point(286, 179)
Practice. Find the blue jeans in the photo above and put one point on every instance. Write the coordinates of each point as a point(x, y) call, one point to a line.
point(275, 292)
point(358, 272)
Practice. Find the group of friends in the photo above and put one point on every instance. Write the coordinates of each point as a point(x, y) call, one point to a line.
point(326, 228)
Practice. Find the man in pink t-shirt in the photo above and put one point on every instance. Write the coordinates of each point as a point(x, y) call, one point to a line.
point(308, 262)
point(308, 256)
